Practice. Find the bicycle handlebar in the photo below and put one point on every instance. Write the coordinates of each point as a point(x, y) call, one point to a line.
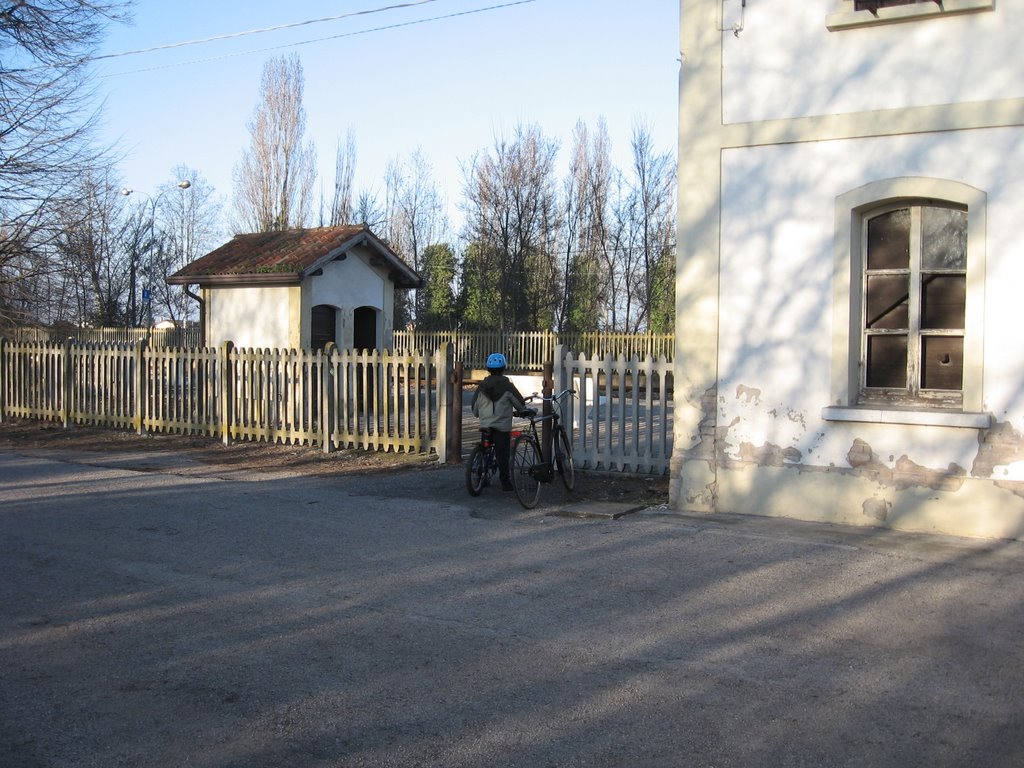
point(531, 413)
point(552, 398)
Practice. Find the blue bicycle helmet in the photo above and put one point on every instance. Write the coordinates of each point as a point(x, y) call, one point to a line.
point(496, 362)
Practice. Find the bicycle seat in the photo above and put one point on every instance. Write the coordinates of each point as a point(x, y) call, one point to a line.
point(527, 413)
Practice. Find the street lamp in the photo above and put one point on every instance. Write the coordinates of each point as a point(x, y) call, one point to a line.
point(146, 296)
point(128, 190)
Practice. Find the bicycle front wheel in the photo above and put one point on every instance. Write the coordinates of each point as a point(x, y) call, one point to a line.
point(525, 456)
point(563, 459)
point(476, 470)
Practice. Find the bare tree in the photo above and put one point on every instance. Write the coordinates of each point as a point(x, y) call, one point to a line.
point(186, 220)
point(47, 122)
point(415, 213)
point(343, 200)
point(585, 236)
point(369, 212)
point(91, 243)
point(274, 180)
point(622, 257)
point(639, 258)
point(654, 192)
point(512, 223)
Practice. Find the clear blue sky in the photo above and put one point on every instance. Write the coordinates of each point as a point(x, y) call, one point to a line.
point(448, 87)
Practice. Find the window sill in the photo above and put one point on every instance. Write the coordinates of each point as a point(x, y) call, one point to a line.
point(848, 19)
point(898, 416)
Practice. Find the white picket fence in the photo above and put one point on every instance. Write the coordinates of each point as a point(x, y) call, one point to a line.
point(335, 398)
point(622, 412)
point(528, 351)
point(621, 417)
point(155, 337)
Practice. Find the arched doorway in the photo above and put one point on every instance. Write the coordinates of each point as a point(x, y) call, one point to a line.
point(364, 337)
point(364, 328)
point(323, 326)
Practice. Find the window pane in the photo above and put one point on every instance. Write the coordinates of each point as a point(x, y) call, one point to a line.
point(942, 362)
point(887, 362)
point(945, 238)
point(889, 240)
point(942, 301)
point(887, 301)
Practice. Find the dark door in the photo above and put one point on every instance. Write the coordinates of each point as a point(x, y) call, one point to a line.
point(364, 337)
point(364, 329)
point(322, 326)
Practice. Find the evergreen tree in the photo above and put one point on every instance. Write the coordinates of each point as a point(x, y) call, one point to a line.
point(438, 295)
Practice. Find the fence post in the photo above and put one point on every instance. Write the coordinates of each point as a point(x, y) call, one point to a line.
point(443, 364)
point(559, 379)
point(227, 391)
point(327, 398)
point(545, 430)
point(455, 415)
point(4, 344)
point(139, 411)
point(67, 383)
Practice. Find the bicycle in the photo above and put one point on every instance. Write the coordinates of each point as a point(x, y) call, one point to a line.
point(529, 467)
point(482, 464)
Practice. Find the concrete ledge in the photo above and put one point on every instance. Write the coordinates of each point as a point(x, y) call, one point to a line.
point(598, 510)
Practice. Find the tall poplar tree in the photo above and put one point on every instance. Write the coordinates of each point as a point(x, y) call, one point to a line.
point(275, 177)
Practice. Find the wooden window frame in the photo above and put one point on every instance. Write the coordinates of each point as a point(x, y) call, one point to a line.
point(851, 209)
point(914, 393)
point(846, 15)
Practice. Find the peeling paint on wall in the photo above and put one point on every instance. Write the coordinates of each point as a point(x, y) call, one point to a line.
point(768, 455)
point(860, 453)
point(877, 509)
point(706, 439)
point(749, 394)
point(999, 446)
point(906, 473)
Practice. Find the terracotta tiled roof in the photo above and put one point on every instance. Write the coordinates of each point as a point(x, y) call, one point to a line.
point(288, 257)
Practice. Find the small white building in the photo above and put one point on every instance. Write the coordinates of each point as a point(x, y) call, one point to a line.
point(850, 263)
point(299, 288)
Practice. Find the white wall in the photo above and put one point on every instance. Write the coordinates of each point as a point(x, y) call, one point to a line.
point(279, 317)
point(352, 283)
point(775, 125)
point(249, 316)
point(786, 63)
point(777, 244)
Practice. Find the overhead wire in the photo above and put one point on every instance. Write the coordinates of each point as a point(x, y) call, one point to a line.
point(260, 31)
point(304, 42)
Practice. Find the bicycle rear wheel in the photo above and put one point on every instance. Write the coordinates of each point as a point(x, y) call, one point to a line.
point(525, 455)
point(563, 458)
point(476, 471)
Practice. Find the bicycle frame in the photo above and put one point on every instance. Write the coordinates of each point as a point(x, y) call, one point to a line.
point(482, 464)
point(536, 461)
point(546, 440)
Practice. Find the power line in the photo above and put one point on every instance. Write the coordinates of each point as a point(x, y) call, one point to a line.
point(314, 40)
point(233, 35)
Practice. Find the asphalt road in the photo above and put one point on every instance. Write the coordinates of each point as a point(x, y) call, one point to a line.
point(157, 613)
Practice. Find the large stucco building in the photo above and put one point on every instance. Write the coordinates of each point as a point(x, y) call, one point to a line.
point(850, 263)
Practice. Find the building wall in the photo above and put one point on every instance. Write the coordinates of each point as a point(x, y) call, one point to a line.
point(768, 144)
point(348, 284)
point(280, 316)
point(786, 63)
point(263, 317)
